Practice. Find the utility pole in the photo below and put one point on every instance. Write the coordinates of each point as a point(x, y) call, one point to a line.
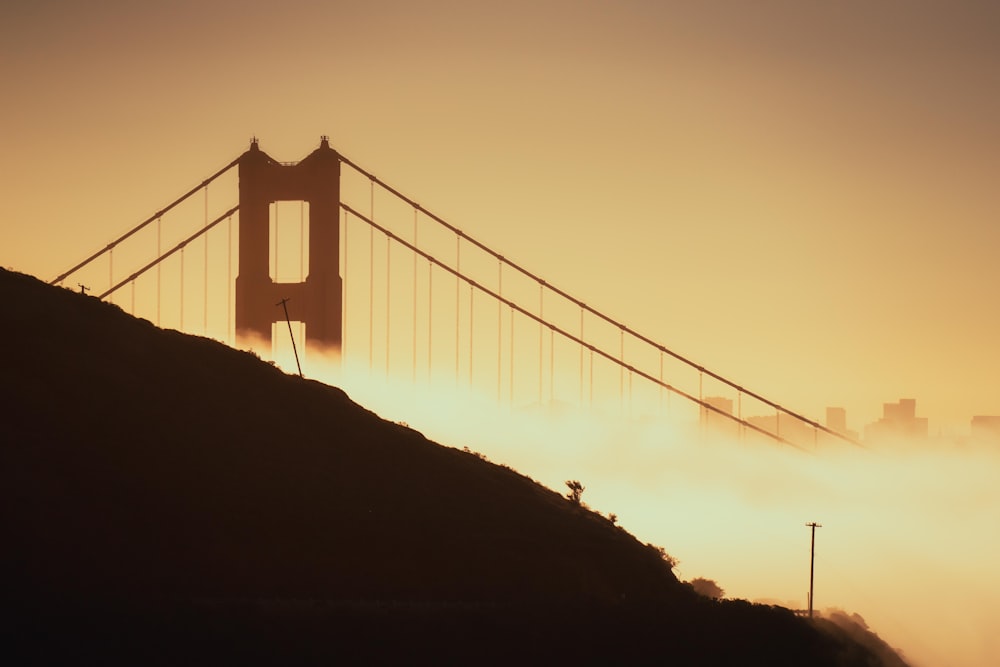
point(812, 563)
point(284, 304)
point(83, 288)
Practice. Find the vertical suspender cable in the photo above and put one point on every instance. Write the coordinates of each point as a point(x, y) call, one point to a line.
point(343, 300)
point(229, 280)
point(631, 403)
point(159, 253)
point(276, 276)
point(552, 365)
point(415, 297)
point(430, 313)
point(541, 318)
point(511, 355)
point(661, 380)
point(204, 318)
point(371, 279)
point(111, 271)
point(621, 372)
point(472, 295)
point(739, 413)
point(302, 241)
point(581, 354)
point(499, 324)
point(702, 413)
point(302, 265)
point(591, 376)
point(458, 269)
point(388, 250)
point(133, 299)
point(182, 289)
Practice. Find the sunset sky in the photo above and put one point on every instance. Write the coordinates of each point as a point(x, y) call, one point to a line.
point(802, 196)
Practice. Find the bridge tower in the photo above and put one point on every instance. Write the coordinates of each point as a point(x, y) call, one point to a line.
point(318, 300)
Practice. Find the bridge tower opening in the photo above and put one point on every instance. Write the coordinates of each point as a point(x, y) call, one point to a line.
point(317, 301)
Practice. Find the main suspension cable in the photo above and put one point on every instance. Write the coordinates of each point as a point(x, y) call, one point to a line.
point(593, 311)
point(562, 332)
point(156, 216)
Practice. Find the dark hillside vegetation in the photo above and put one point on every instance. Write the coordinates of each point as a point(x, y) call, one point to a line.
point(167, 499)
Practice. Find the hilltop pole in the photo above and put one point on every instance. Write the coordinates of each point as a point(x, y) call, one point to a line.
point(812, 563)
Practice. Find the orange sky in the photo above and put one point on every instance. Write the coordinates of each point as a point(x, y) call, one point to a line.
point(801, 196)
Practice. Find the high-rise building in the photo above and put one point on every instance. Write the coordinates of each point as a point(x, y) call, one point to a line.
point(836, 419)
point(899, 421)
point(716, 422)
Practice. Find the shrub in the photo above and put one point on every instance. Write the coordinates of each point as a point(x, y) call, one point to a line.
point(576, 490)
point(707, 587)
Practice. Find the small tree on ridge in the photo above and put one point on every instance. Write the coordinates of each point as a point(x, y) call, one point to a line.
point(576, 490)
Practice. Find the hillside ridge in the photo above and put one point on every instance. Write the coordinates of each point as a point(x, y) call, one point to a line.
point(153, 479)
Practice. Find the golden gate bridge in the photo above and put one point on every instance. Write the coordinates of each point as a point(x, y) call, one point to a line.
point(380, 282)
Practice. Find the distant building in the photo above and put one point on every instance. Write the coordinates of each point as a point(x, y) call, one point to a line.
point(836, 421)
point(985, 427)
point(716, 422)
point(899, 421)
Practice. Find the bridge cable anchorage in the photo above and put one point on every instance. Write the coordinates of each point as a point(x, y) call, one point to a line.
point(593, 311)
point(156, 216)
point(177, 248)
point(564, 333)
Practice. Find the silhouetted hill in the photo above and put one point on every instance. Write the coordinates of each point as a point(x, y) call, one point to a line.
point(167, 499)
